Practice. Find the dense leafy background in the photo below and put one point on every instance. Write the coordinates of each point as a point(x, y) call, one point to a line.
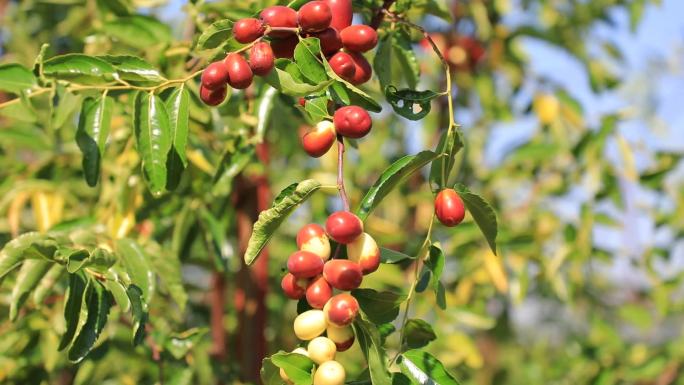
point(587, 285)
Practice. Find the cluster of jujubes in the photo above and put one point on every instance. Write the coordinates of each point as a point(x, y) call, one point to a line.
point(315, 276)
point(348, 121)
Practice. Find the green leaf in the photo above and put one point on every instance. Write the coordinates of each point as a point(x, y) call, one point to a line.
point(139, 311)
point(134, 69)
point(98, 303)
point(306, 56)
point(68, 104)
point(382, 63)
point(178, 107)
point(232, 163)
point(418, 333)
point(425, 369)
point(450, 143)
point(26, 246)
point(216, 34)
point(403, 51)
point(138, 31)
point(269, 373)
point(29, 277)
point(79, 68)
point(91, 136)
point(440, 9)
point(78, 285)
point(137, 265)
point(356, 97)
point(266, 103)
point(284, 79)
point(167, 266)
point(152, 133)
point(391, 177)
point(179, 344)
point(435, 262)
point(118, 291)
point(482, 213)
point(269, 220)
point(385, 331)
point(298, 367)
point(411, 104)
point(317, 108)
point(392, 256)
point(16, 78)
point(47, 283)
point(371, 346)
point(379, 307)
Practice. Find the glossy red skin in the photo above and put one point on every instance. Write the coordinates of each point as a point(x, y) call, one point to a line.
point(344, 346)
point(352, 121)
point(343, 274)
point(314, 16)
point(449, 207)
point(342, 13)
point(343, 226)
point(318, 293)
point(215, 76)
point(247, 30)
point(359, 38)
point(317, 143)
point(213, 97)
point(342, 309)
point(330, 40)
point(261, 58)
point(303, 264)
point(312, 230)
point(343, 65)
point(302, 102)
point(284, 48)
point(279, 16)
point(239, 73)
point(291, 287)
point(363, 70)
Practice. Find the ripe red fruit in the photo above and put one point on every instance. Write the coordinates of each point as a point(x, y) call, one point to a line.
point(318, 293)
point(341, 309)
point(279, 16)
point(239, 74)
point(215, 76)
point(302, 102)
point(314, 16)
point(343, 226)
point(330, 40)
point(292, 287)
point(343, 274)
point(343, 65)
point(342, 13)
point(359, 38)
point(285, 47)
point(213, 97)
point(364, 251)
point(363, 70)
point(352, 122)
point(313, 238)
point(304, 264)
point(319, 140)
point(449, 207)
point(247, 30)
point(261, 58)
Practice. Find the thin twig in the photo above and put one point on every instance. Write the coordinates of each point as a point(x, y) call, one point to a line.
point(380, 14)
point(340, 172)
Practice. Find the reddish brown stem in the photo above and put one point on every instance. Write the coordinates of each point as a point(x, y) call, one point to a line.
point(340, 172)
point(380, 14)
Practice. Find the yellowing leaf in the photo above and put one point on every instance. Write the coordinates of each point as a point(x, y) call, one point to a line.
point(494, 267)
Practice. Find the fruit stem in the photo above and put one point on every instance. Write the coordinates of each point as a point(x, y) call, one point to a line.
point(380, 14)
point(340, 172)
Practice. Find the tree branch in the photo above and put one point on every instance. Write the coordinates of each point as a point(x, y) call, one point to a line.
point(380, 14)
point(340, 172)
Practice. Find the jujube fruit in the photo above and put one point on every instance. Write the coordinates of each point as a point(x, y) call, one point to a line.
point(343, 337)
point(341, 309)
point(310, 324)
point(321, 349)
point(352, 122)
point(213, 97)
point(343, 274)
point(449, 207)
point(313, 238)
point(279, 16)
point(330, 373)
point(318, 141)
point(293, 287)
point(330, 40)
point(362, 68)
point(314, 16)
point(247, 30)
point(304, 264)
point(261, 58)
point(215, 76)
point(284, 47)
point(342, 13)
point(343, 226)
point(364, 251)
point(343, 65)
point(359, 38)
point(318, 293)
point(239, 73)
